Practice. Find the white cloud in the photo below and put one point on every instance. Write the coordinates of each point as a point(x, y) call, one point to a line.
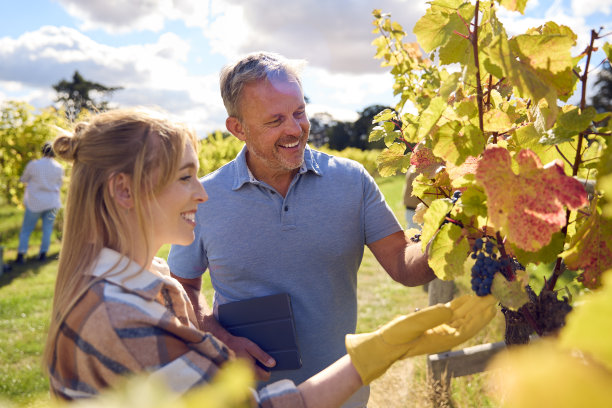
point(117, 15)
point(585, 8)
point(330, 34)
point(333, 35)
point(150, 74)
point(340, 114)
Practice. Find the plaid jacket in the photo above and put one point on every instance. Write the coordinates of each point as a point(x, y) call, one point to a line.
point(133, 322)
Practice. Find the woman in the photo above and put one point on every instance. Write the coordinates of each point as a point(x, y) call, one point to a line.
point(117, 311)
point(43, 180)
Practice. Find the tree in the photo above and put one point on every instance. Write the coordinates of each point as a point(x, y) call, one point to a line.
point(319, 124)
point(76, 95)
point(602, 100)
point(340, 135)
point(363, 126)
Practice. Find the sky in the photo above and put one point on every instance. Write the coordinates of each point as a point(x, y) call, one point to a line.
point(168, 53)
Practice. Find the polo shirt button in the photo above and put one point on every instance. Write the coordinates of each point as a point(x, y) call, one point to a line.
point(286, 208)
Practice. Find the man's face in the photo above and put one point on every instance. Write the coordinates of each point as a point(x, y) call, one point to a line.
point(274, 126)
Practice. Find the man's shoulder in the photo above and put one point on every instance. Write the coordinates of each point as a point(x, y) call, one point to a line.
point(222, 175)
point(327, 161)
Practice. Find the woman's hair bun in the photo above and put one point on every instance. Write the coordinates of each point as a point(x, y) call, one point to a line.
point(66, 144)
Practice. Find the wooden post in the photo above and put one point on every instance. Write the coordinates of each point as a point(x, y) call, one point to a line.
point(439, 292)
point(1, 260)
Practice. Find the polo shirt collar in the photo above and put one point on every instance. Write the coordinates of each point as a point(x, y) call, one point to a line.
point(242, 174)
point(129, 275)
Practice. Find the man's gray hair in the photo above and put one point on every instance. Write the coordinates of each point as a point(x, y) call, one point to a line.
point(251, 68)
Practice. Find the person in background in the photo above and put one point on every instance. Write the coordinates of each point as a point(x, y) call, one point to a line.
point(43, 180)
point(284, 218)
point(118, 312)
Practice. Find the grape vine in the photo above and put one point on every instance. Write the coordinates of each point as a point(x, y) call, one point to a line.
point(502, 163)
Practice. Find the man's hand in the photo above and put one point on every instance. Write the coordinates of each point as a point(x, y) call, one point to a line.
point(246, 349)
point(241, 346)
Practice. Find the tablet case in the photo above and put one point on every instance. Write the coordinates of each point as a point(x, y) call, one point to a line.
point(268, 322)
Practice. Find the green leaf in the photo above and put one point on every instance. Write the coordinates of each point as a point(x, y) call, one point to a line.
point(503, 62)
point(458, 49)
point(392, 161)
point(545, 52)
point(473, 202)
point(448, 252)
point(526, 137)
point(454, 142)
point(546, 254)
point(438, 24)
point(510, 294)
point(430, 116)
point(449, 83)
point(608, 50)
point(569, 124)
point(435, 215)
point(604, 183)
point(384, 116)
point(514, 5)
point(496, 120)
point(377, 133)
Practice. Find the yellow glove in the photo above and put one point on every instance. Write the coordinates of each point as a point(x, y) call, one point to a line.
point(431, 330)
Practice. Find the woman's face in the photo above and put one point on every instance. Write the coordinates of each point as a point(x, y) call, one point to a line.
point(175, 206)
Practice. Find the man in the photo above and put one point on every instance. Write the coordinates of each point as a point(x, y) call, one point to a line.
point(283, 218)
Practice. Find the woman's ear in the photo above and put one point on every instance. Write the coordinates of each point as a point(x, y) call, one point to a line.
point(120, 188)
point(235, 127)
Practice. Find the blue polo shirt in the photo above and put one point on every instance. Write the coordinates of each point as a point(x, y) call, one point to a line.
point(309, 244)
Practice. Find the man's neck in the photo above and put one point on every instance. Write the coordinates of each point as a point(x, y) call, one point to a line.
point(278, 179)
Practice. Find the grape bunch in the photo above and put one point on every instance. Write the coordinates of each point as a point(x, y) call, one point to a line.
point(456, 196)
point(485, 267)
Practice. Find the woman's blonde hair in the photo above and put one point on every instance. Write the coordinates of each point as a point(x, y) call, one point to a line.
point(135, 142)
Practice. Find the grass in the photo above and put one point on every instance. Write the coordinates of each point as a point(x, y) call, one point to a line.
point(26, 293)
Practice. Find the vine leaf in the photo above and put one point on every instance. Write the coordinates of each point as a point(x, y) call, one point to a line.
point(438, 25)
point(510, 294)
point(496, 120)
point(514, 5)
point(591, 249)
point(448, 252)
point(435, 215)
point(546, 254)
point(569, 124)
point(528, 207)
point(430, 116)
point(604, 184)
point(455, 142)
point(392, 160)
point(424, 161)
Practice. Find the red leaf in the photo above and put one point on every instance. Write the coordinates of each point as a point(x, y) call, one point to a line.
point(424, 161)
point(529, 207)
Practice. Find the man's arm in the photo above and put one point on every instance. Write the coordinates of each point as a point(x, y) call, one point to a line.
point(241, 346)
point(402, 259)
